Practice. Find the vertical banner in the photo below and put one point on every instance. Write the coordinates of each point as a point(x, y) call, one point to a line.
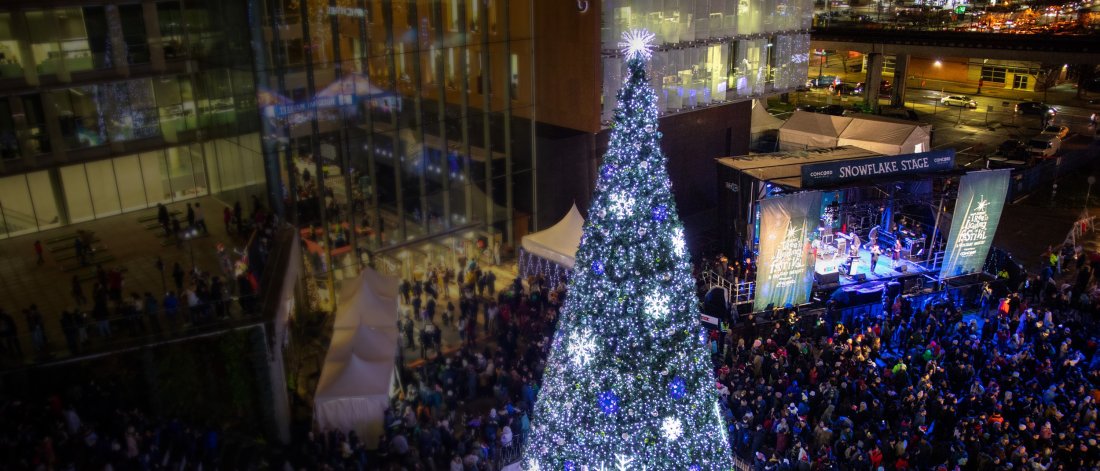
point(977, 212)
point(785, 265)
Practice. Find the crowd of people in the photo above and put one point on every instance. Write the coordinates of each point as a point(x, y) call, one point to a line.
point(467, 410)
point(923, 387)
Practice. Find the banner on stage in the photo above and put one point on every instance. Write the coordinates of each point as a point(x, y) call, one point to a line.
point(831, 173)
point(785, 265)
point(977, 212)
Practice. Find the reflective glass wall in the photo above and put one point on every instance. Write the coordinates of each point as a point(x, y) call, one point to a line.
point(120, 105)
point(710, 51)
point(395, 124)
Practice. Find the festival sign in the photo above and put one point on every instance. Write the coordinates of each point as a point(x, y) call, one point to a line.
point(830, 173)
point(977, 212)
point(785, 265)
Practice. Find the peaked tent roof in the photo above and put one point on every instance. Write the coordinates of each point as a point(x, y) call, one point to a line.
point(559, 243)
point(816, 123)
point(762, 120)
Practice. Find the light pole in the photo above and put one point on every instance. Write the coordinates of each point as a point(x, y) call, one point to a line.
point(189, 235)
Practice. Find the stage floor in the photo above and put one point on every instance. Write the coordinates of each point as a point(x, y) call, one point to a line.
point(885, 269)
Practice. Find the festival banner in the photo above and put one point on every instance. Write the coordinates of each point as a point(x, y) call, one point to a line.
point(785, 265)
point(977, 212)
point(852, 170)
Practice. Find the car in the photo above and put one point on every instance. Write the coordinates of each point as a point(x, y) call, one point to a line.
point(810, 108)
point(900, 113)
point(1044, 146)
point(958, 100)
point(1013, 149)
point(1056, 130)
point(1035, 108)
point(884, 87)
point(835, 110)
point(849, 89)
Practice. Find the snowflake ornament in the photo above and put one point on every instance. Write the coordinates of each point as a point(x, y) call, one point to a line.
point(656, 304)
point(636, 43)
point(672, 428)
point(678, 244)
point(621, 205)
point(582, 347)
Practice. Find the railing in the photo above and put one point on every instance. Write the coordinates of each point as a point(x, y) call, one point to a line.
point(737, 292)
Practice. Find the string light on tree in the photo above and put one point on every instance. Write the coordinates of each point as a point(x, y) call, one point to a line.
point(628, 384)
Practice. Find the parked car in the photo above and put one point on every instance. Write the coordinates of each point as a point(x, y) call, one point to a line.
point(1014, 149)
point(849, 89)
point(1035, 108)
point(958, 100)
point(1044, 146)
point(900, 113)
point(884, 87)
point(835, 110)
point(1056, 130)
point(824, 81)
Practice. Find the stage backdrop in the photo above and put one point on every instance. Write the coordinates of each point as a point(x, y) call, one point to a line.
point(977, 212)
point(785, 266)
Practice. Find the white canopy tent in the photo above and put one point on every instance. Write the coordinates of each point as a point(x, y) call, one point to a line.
point(761, 120)
point(360, 367)
point(886, 136)
point(806, 130)
point(559, 243)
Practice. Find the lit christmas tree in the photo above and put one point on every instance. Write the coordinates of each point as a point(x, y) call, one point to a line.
point(628, 385)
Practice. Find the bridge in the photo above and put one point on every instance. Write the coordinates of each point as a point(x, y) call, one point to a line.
point(1046, 48)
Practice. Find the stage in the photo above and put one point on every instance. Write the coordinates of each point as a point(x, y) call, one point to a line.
point(829, 274)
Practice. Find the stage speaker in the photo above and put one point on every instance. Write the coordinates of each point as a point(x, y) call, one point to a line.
point(827, 278)
point(860, 277)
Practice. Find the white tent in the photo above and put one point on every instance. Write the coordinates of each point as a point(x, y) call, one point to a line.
point(357, 377)
point(762, 121)
point(806, 130)
point(559, 243)
point(886, 136)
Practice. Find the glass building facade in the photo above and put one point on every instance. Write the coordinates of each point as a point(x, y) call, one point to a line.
point(118, 106)
point(710, 51)
point(399, 132)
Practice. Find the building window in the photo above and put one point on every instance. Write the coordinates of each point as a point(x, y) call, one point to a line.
point(1019, 81)
point(11, 55)
point(993, 74)
point(9, 145)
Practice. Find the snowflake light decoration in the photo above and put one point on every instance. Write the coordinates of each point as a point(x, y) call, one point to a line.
point(678, 244)
point(534, 466)
point(636, 43)
point(656, 304)
point(623, 462)
point(581, 347)
point(621, 204)
point(672, 428)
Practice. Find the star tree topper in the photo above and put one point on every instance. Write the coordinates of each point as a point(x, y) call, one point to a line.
point(636, 43)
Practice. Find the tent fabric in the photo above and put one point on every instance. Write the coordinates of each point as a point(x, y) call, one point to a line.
point(353, 391)
point(559, 243)
point(762, 120)
point(804, 130)
point(886, 137)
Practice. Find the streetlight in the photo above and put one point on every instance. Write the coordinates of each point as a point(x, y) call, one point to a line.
point(190, 234)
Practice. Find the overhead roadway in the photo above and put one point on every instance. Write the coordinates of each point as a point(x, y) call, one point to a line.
point(1049, 49)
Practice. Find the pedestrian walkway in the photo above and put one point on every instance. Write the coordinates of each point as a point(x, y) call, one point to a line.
point(124, 242)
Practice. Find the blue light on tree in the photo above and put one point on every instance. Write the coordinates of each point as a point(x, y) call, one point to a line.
point(609, 402)
point(597, 267)
point(677, 388)
point(660, 213)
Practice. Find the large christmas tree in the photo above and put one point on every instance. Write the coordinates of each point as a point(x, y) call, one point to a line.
point(629, 385)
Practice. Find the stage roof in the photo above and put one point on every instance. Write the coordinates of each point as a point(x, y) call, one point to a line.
point(785, 168)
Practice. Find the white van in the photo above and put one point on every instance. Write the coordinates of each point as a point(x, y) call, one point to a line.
point(1044, 146)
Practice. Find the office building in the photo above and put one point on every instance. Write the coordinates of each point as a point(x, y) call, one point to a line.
point(109, 107)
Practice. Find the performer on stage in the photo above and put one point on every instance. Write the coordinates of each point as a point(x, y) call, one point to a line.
point(896, 254)
point(875, 252)
point(873, 235)
point(853, 249)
